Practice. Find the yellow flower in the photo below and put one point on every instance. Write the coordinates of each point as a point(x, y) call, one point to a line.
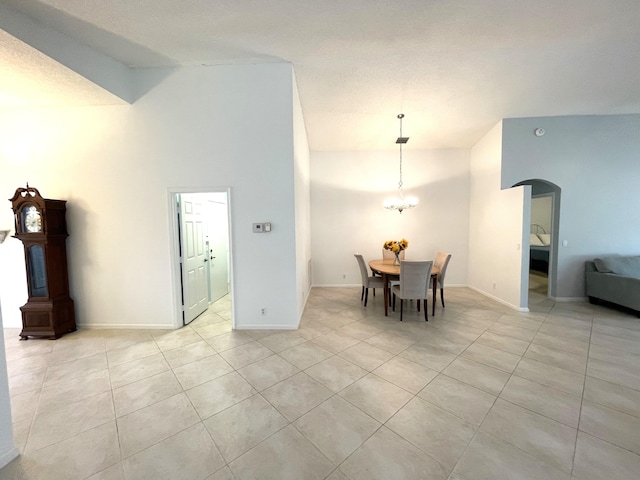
point(396, 246)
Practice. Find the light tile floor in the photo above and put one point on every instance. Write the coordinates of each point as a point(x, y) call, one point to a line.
point(478, 392)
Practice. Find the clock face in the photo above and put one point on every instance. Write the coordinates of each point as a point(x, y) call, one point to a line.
point(32, 220)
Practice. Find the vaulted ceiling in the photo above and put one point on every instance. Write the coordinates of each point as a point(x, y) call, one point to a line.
point(453, 67)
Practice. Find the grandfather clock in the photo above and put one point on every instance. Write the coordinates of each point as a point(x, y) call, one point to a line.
point(42, 229)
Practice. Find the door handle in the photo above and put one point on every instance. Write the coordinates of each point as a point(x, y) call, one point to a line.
point(206, 259)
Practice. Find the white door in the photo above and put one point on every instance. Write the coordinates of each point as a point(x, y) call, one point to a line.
point(193, 257)
point(219, 245)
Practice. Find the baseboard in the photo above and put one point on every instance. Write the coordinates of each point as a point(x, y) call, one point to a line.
point(134, 326)
point(569, 299)
point(9, 455)
point(359, 285)
point(266, 327)
point(499, 300)
point(306, 299)
point(126, 326)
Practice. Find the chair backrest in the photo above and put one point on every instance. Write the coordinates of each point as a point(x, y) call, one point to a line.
point(387, 254)
point(442, 261)
point(363, 269)
point(414, 279)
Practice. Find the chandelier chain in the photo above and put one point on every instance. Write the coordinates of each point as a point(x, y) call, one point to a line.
point(401, 203)
point(400, 182)
point(400, 116)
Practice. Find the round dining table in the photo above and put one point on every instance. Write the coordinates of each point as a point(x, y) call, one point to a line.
point(388, 270)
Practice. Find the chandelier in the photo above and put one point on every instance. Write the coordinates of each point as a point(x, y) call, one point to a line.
point(401, 203)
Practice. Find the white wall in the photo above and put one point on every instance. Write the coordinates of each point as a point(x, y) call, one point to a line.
point(541, 212)
point(7, 449)
point(196, 127)
point(347, 193)
point(496, 239)
point(594, 160)
point(302, 203)
point(13, 278)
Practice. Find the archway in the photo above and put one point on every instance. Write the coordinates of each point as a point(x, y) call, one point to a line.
point(543, 228)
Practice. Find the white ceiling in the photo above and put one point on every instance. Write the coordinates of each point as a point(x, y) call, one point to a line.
point(453, 67)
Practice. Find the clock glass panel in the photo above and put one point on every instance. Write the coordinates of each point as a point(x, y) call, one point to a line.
point(37, 270)
point(31, 219)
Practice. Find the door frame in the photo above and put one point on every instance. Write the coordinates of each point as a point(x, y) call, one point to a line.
point(555, 191)
point(553, 244)
point(174, 248)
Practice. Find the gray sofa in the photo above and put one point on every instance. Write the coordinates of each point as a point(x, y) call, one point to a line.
point(615, 280)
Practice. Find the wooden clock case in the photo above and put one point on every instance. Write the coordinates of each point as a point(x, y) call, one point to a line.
point(49, 312)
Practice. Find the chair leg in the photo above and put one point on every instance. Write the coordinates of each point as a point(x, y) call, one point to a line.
point(362, 294)
point(425, 309)
point(434, 285)
point(433, 303)
point(401, 304)
point(441, 296)
point(394, 302)
point(374, 292)
point(366, 296)
point(418, 305)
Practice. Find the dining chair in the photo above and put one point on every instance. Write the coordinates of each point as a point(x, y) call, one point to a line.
point(441, 261)
point(388, 254)
point(393, 279)
point(367, 281)
point(414, 283)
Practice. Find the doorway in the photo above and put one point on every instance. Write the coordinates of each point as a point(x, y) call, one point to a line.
point(200, 250)
point(543, 245)
point(217, 241)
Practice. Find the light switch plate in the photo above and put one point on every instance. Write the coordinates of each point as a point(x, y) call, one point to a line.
point(261, 227)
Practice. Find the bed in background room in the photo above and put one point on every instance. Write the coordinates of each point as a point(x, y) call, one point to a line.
point(539, 244)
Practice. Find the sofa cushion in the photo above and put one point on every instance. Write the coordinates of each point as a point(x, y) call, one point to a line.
point(626, 266)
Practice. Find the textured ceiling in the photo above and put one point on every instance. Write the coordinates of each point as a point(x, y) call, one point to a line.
point(453, 67)
point(30, 78)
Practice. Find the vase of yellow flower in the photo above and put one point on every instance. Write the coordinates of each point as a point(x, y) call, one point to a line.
point(396, 246)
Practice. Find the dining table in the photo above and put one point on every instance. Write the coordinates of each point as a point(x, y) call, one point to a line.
point(388, 270)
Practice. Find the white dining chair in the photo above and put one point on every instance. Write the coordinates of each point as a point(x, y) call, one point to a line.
point(388, 254)
point(414, 283)
point(393, 279)
point(367, 281)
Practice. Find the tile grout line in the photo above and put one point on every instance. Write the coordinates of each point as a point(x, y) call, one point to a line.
point(584, 384)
